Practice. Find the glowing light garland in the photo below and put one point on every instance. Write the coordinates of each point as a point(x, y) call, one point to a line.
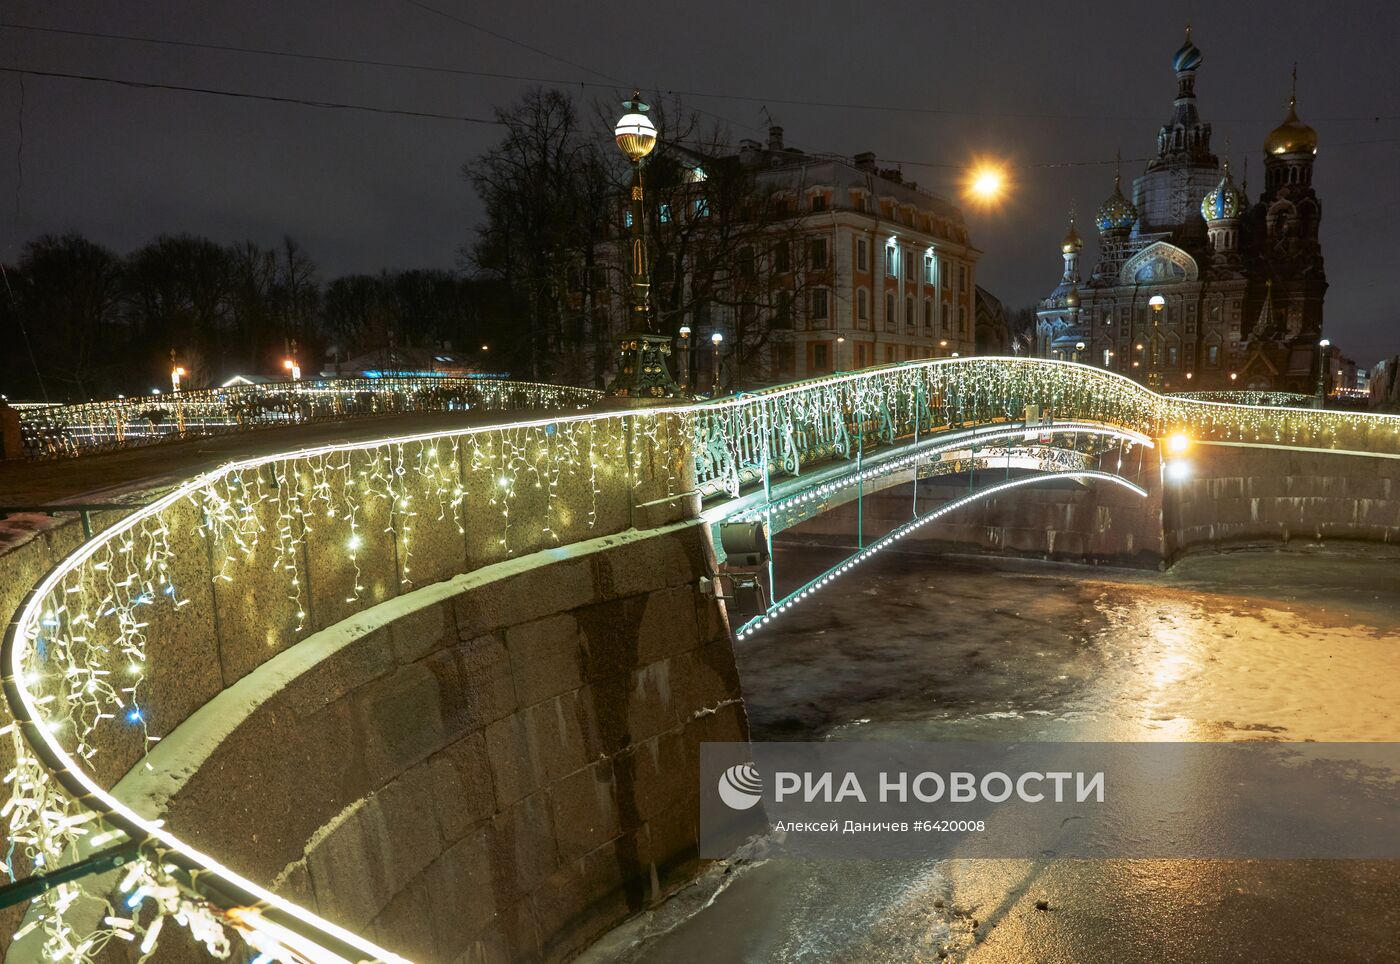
point(77, 655)
point(785, 428)
point(57, 431)
point(340, 527)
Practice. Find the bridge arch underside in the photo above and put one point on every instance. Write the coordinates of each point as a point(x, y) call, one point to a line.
point(895, 493)
point(1085, 494)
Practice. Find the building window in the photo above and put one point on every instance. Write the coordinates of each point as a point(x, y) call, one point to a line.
point(891, 261)
point(928, 316)
point(909, 265)
point(889, 311)
point(818, 202)
point(821, 357)
point(702, 207)
point(928, 269)
point(909, 313)
point(890, 354)
point(817, 307)
point(816, 253)
point(1213, 355)
point(962, 277)
point(947, 316)
point(782, 310)
point(785, 359)
point(626, 219)
point(664, 213)
point(782, 257)
point(943, 272)
point(862, 255)
point(1173, 356)
point(962, 319)
point(862, 307)
point(746, 262)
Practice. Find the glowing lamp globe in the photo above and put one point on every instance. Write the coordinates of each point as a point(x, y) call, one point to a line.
point(636, 135)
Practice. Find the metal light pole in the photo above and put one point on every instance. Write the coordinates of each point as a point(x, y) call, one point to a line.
point(716, 339)
point(1322, 347)
point(685, 358)
point(1154, 377)
point(643, 371)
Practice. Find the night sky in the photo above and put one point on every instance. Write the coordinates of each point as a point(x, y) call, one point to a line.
point(1038, 84)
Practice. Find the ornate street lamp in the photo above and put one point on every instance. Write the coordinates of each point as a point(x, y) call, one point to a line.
point(643, 371)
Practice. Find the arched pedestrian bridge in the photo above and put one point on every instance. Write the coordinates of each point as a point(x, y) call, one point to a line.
point(437, 697)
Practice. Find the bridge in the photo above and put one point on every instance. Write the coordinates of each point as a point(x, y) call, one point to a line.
point(438, 694)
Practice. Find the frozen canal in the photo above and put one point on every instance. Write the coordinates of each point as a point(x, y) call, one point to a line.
point(1241, 646)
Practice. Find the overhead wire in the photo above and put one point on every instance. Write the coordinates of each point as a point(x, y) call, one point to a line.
point(245, 95)
point(616, 83)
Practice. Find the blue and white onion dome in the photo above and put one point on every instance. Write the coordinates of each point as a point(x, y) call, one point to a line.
point(1117, 213)
point(1225, 202)
point(1188, 56)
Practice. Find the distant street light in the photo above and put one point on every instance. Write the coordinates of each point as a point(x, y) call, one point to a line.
point(1322, 354)
point(293, 369)
point(716, 339)
point(1154, 377)
point(986, 182)
point(175, 375)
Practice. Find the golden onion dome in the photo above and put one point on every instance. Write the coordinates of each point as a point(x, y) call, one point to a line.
point(1117, 213)
point(1292, 136)
point(1072, 297)
point(1225, 202)
point(1071, 242)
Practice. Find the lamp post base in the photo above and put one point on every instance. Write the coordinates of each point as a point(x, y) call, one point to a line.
point(644, 371)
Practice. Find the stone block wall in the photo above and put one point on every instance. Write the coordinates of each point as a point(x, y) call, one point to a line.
point(1239, 495)
point(499, 767)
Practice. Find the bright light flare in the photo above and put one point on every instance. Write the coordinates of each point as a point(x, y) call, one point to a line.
point(986, 182)
point(1179, 470)
point(1178, 443)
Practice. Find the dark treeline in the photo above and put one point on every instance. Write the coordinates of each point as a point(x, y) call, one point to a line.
point(92, 323)
point(541, 281)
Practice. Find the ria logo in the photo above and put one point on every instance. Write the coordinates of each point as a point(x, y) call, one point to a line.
point(740, 787)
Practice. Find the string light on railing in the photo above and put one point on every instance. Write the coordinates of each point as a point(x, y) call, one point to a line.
point(272, 513)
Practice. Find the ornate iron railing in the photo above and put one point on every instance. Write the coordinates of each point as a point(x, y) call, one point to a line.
point(66, 430)
point(785, 428)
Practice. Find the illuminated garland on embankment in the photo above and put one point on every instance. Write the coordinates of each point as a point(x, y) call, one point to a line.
point(59, 431)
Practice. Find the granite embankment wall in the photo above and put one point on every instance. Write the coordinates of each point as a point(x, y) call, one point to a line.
point(498, 767)
point(1235, 496)
point(1242, 495)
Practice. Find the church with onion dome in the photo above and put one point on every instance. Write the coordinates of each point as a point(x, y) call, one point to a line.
point(1195, 287)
